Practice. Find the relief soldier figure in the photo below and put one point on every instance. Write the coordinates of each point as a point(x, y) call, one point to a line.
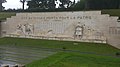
point(78, 31)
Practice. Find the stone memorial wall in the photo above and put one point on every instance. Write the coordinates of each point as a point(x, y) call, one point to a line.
point(84, 26)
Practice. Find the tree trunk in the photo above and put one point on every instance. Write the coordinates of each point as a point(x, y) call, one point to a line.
point(0, 5)
point(23, 6)
point(119, 5)
point(86, 5)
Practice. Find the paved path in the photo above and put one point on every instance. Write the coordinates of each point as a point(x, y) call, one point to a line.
point(22, 55)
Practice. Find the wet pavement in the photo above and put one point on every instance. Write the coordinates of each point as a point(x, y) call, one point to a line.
point(22, 55)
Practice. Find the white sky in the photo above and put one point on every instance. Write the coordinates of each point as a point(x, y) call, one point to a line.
point(14, 4)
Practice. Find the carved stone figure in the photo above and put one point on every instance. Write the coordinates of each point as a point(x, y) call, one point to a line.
point(25, 29)
point(78, 31)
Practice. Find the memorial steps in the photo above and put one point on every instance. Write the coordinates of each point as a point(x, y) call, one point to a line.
point(98, 27)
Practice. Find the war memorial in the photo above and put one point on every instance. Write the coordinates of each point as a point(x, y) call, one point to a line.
point(82, 26)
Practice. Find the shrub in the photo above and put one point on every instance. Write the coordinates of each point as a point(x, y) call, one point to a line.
point(117, 53)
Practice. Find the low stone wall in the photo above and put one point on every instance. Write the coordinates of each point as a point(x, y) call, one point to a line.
point(103, 40)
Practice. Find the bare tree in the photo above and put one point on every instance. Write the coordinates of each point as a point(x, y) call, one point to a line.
point(23, 3)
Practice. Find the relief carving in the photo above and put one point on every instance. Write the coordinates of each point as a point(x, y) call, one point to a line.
point(78, 31)
point(25, 29)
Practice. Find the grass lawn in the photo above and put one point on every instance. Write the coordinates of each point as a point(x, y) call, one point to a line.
point(4, 15)
point(63, 59)
point(112, 12)
point(69, 45)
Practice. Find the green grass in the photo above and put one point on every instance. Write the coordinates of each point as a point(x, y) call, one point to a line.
point(76, 60)
point(112, 12)
point(69, 45)
point(4, 15)
point(48, 61)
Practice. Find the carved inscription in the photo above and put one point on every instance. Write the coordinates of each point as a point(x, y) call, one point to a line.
point(114, 30)
point(57, 17)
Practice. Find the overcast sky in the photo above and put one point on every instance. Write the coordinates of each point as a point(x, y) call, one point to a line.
point(14, 4)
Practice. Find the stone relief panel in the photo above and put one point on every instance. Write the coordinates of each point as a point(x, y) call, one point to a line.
point(83, 32)
point(25, 29)
point(47, 28)
point(60, 30)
